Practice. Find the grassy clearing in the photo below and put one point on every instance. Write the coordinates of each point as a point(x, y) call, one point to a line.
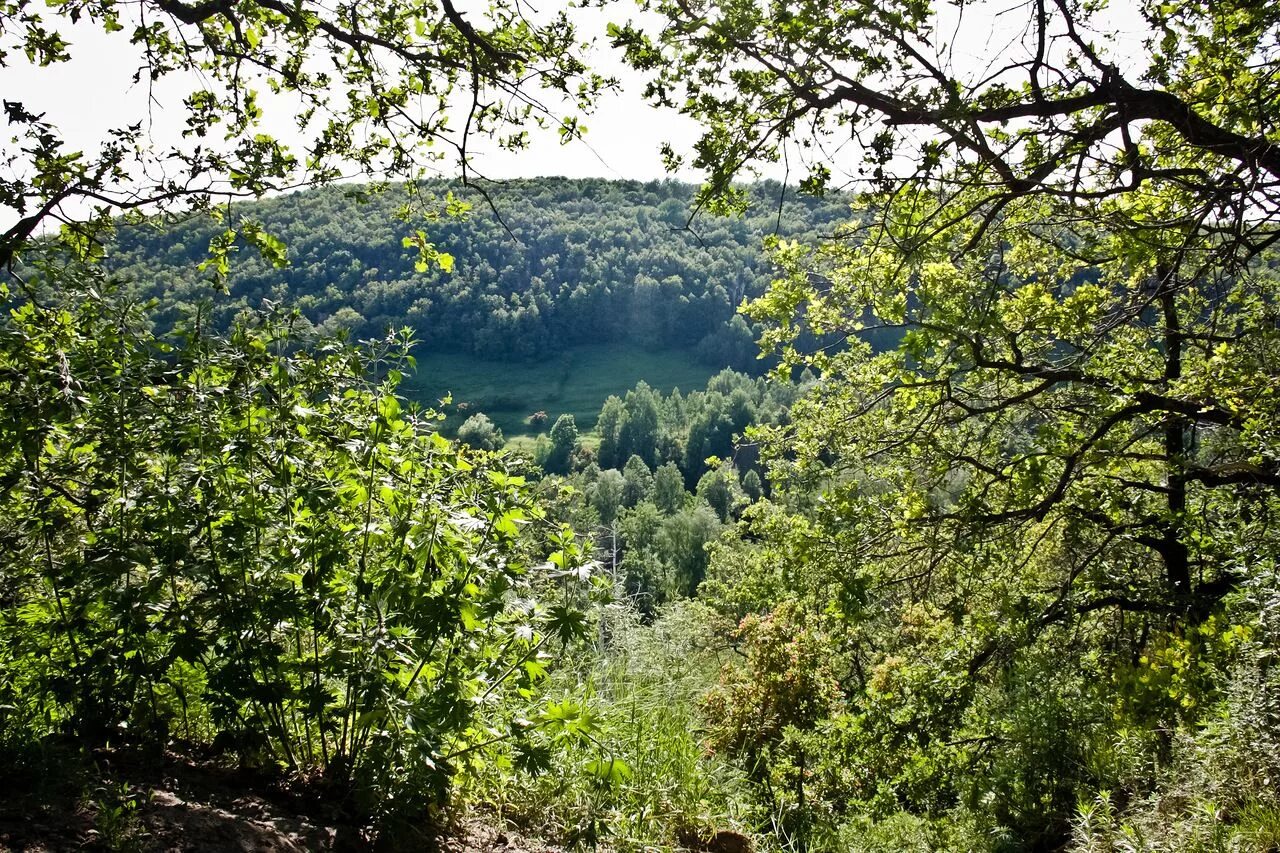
point(525, 444)
point(575, 382)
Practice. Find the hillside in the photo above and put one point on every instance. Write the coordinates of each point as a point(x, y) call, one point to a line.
point(575, 381)
point(985, 560)
point(553, 264)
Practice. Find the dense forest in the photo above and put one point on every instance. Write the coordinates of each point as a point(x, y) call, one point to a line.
point(981, 555)
point(537, 266)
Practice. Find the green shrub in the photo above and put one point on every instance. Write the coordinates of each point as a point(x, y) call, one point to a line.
point(253, 544)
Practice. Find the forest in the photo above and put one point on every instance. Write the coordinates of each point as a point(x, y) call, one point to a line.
point(536, 267)
point(963, 539)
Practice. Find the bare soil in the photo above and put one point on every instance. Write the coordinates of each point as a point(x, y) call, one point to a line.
point(176, 803)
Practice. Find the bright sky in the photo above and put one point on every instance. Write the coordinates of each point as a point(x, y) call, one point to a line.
point(94, 92)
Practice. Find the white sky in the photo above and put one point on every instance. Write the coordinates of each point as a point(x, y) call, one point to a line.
point(94, 92)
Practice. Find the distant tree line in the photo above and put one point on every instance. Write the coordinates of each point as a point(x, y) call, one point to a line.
point(551, 264)
point(677, 429)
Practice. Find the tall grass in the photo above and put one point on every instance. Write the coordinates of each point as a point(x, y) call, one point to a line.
point(641, 685)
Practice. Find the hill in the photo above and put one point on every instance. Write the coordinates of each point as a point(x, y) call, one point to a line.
point(553, 264)
point(575, 381)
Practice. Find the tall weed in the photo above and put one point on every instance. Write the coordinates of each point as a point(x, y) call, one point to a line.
point(637, 773)
point(253, 544)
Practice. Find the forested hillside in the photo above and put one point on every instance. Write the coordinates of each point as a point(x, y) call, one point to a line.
point(990, 563)
point(550, 264)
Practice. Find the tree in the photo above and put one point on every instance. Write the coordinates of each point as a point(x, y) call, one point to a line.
point(608, 427)
point(637, 481)
point(1037, 284)
point(665, 555)
point(668, 489)
point(374, 87)
point(638, 429)
point(646, 574)
point(684, 540)
point(1047, 348)
point(710, 435)
point(343, 321)
point(1063, 313)
point(233, 533)
point(605, 495)
point(481, 433)
point(229, 568)
point(1059, 121)
point(564, 440)
point(719, 488)
point(351, 256)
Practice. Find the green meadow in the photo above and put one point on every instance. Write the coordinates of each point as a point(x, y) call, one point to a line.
point(575, 382)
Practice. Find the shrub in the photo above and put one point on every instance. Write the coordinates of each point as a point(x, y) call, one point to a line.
point(253, 543)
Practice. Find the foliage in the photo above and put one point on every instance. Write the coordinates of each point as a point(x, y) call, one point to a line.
point(1217, 790)
point(479, 432)
point(722, 492)
point(690, 430)
point(564, 440)
point(1147, 117)
point(367, 87)
point(664, 556)
point(115, 824)
point(641, 685)
point(655, 532)
point(1013, 585)
point(605, 495)
point(668, 489)
point(252, 544)
point(554, 264)
point(637, 481)
point(1018, 499)
point(791, 682)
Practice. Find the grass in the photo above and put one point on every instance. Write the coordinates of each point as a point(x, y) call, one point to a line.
point(525, 444)
point(575, 382)
point(641, 686)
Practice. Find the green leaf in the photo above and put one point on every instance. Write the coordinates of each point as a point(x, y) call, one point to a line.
point(567, 623)
point(369, 718)
point(611, 771)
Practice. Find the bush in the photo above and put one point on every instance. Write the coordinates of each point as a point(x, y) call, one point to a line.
point(481, 433)
point(252, 544)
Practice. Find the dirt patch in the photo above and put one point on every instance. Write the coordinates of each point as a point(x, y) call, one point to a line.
point(476, 835)
point(169, 823)
point(171, 803)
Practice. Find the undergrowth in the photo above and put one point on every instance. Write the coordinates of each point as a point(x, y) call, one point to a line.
point(636, 773)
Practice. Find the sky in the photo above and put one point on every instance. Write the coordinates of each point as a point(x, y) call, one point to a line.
point(94, 92)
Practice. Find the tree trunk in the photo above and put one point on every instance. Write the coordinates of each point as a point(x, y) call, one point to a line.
point(1173, 549)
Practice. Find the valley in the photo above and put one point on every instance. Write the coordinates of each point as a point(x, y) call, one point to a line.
point(981, 556)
